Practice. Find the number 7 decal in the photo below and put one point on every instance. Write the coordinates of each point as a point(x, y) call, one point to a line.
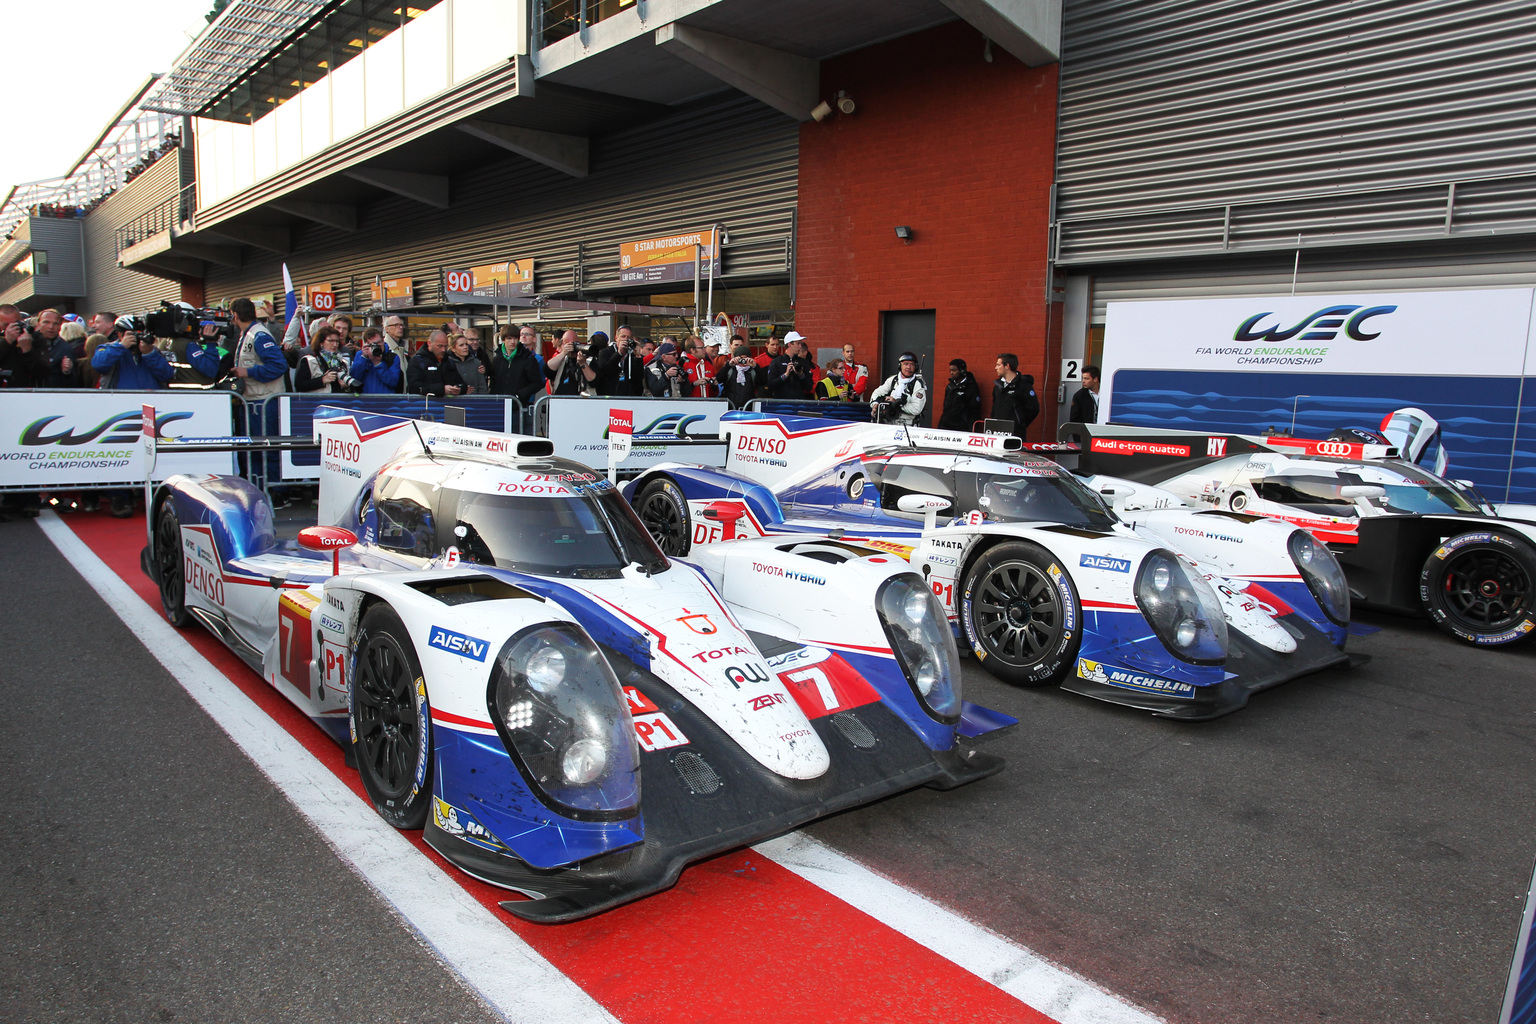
point(823, 685)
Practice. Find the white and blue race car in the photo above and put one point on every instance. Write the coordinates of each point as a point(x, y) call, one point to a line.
point(1179, 612)
point(517, 668)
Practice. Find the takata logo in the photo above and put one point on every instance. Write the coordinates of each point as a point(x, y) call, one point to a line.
point(124, 428)
point(673, 424)
point(1324, 325)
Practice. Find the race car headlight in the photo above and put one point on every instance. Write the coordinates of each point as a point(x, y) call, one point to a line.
point(1324, 576)
point(562, 717)
point(919, 633)
point(1182, 608)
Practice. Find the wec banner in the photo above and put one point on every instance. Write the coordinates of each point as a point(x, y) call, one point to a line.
point(67, 439)
point(1320, 362)
point(579, 429)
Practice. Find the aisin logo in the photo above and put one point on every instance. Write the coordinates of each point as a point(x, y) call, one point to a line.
point(1320, 326)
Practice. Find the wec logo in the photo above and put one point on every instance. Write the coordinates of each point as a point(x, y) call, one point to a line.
point(124, 428)
point(1324, 325)
point(672, 424)
point(458, 643)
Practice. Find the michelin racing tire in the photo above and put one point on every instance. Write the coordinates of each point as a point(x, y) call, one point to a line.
point(391, 720)
point(1021, 614)
point(1480, 588)
point(664, 511)
point(168, 568)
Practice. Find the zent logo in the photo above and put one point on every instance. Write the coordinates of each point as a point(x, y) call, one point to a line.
point(767, 700)
point(1320, 326)
point(457, 643)
point(1216, 446)
point(1102, 562)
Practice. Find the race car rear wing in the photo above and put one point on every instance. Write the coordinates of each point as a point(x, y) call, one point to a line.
point(1146, 453)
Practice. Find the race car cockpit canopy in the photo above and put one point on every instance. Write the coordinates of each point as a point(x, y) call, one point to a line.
point(1022, 488)
point(549, 517)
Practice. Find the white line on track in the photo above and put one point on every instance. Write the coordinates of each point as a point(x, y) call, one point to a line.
point(505, 971)
point(1023, 974)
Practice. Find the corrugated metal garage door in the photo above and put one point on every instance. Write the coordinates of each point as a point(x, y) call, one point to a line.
point(732, 161)
point(1208, 126)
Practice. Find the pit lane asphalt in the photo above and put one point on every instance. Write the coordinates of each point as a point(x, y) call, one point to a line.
point(152, 873)
point(1354, 846)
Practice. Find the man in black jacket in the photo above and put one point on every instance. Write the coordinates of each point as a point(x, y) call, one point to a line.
point(1013, 395)
point(620, 370)
point(431, 373)
point(1085, 404)
point(962, 398)
point(740, 378)
point(791, 375)
point(514, 369)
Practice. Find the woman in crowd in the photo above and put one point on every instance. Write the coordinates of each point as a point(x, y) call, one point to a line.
point(470, 362)
point(323, 367)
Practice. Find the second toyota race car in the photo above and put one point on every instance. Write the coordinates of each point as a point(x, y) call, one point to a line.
point(1410, 541)
point(1184, 614)
point(516, 668)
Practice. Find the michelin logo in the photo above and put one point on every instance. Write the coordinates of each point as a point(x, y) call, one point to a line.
point(1097, 672)
point(1102, 562)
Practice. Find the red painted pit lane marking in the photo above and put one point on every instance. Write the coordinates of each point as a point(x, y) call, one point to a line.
point(736, 939)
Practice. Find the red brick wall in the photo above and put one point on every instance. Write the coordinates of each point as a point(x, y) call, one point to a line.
point(962, 151)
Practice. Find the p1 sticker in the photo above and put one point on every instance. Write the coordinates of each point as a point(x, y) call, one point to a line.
point(656, 732)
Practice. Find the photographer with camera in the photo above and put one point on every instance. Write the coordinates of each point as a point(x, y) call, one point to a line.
point(567, 369)
point(903, 396)
point(132, 364)
point(22, 359)
point(740, 378)
point(323, 368)
point(375, 369)
point(791, 375)
point(664, 377)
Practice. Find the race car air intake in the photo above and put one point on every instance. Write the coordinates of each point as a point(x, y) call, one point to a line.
point(1182, 608)
point(919, 633)
point(563, 719)
point(1323, 574)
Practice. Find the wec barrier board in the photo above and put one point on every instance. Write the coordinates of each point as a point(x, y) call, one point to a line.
point(1241, 365)
point(58, 439)
point(578, 428)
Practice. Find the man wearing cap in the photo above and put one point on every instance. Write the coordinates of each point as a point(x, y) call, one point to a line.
point(790, 375)
point(664, 377)
point(740, 378)
point(903, 396)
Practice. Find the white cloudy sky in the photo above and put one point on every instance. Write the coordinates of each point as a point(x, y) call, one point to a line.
point(83, 60)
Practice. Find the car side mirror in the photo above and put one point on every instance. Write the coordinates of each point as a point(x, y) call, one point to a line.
point(929, 504)
point(328, 538)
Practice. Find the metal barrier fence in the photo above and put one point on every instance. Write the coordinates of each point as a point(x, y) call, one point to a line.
point(856, 412)
point(67, 439)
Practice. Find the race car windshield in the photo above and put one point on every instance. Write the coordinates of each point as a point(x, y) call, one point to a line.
point(552, 536)
point(1419, 492)
point(1034, 492)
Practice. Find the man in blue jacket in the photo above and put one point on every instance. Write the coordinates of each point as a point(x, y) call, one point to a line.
point(128, 365)
point(376, 366)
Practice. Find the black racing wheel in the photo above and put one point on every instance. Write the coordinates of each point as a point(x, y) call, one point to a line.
point(664, 511)
point(391, 720)
point(1480, 587)
point(168, 567)
point(1021, 614)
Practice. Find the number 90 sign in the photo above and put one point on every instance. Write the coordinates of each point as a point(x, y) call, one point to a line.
point(460, 280)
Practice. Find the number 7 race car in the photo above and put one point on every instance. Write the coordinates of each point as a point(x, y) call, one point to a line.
point(1181, 613)
point(516, 668)
point(1409, 540)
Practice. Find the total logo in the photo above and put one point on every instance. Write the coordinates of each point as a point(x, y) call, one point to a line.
point(1324, 325)
point(672, 424)
point(1098, 672)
